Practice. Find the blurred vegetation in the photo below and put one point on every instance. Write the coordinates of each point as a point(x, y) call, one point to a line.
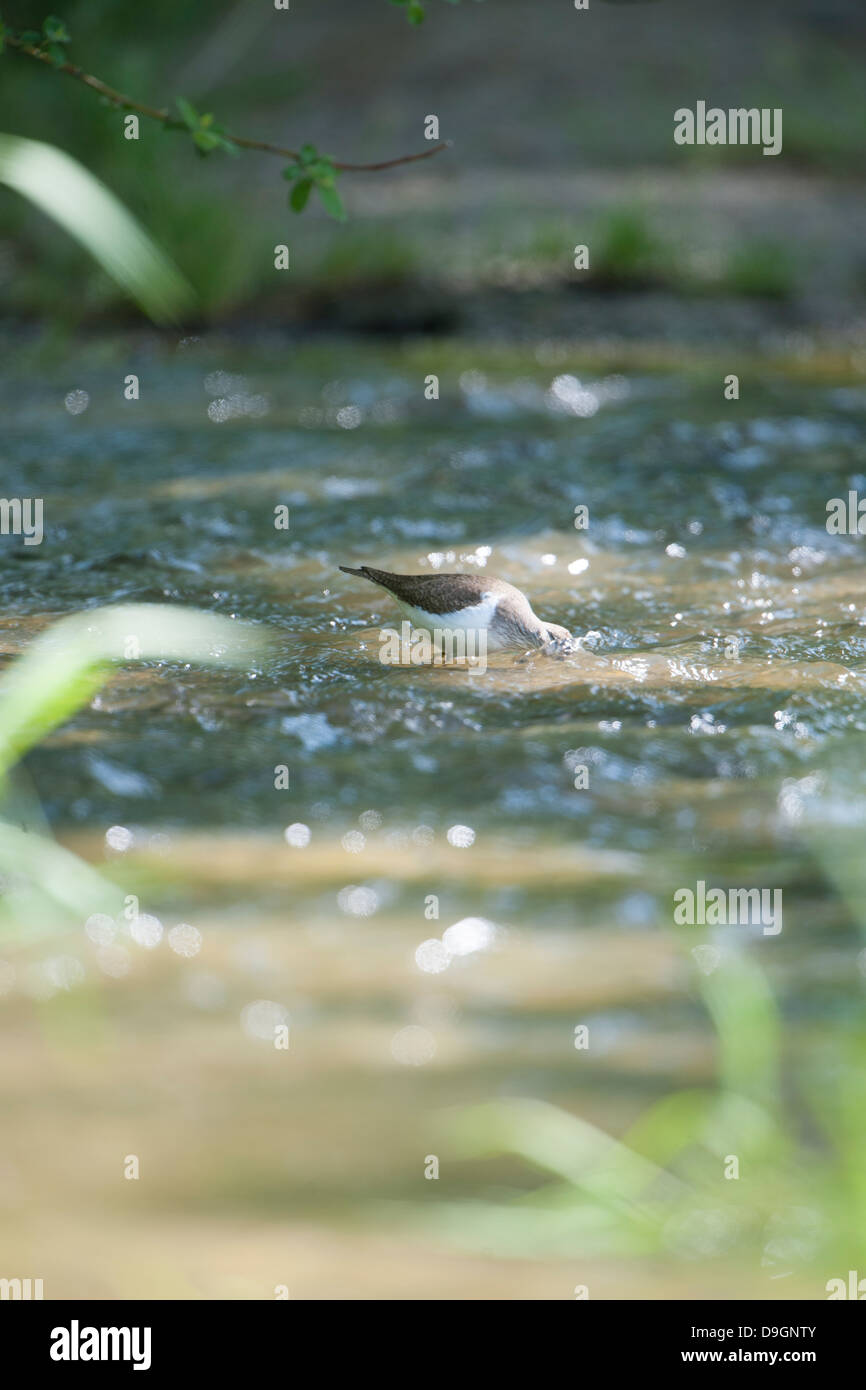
point(61, 672)
point(626, 252)
point(220, 222)
point(416, 10)
point(77, 202)
point(761, 269)
point(666, 1186)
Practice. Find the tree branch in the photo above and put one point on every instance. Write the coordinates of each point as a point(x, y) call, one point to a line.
point(165, 116)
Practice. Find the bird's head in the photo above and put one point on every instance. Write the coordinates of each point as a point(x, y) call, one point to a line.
point(560, 640)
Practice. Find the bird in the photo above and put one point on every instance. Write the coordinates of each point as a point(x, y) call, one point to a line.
point(467, 601)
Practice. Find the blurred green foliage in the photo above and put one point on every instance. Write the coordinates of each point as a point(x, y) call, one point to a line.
point(80, 204)
point(220, 225)
point(668, 1186)
point(416, 10)
point(307, 170)
point(625, 249)
point(58, 674)
point(313, 170)
point(762, 269)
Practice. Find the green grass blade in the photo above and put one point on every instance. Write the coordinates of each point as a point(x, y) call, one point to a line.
point(65, 667)
point(64, 189)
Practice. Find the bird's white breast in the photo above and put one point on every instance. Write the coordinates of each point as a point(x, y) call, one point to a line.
point(476, 618)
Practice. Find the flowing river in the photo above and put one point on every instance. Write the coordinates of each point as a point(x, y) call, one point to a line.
point(454, 889)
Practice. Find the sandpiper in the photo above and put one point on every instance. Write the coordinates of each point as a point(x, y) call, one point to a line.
point(468, 601)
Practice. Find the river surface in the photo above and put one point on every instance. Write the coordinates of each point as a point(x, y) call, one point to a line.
point(709, 729)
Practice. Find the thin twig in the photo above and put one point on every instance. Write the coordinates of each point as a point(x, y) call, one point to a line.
point(156, 114)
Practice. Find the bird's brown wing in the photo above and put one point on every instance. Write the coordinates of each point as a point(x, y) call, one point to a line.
point(432, 593)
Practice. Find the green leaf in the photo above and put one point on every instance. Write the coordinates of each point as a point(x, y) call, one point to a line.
point(331, 201)
point(58, 674)
point(189, 114)
point(205, 141)
point(63, 886)
point(222, 141)
point(299, 195)
point(63, 668)
point(55, 30)
point(309, 164)
point(63, 189)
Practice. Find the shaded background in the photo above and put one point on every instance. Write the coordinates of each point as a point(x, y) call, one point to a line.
point(562, 130)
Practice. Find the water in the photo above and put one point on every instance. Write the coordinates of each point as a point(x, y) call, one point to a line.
point(716, 706)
